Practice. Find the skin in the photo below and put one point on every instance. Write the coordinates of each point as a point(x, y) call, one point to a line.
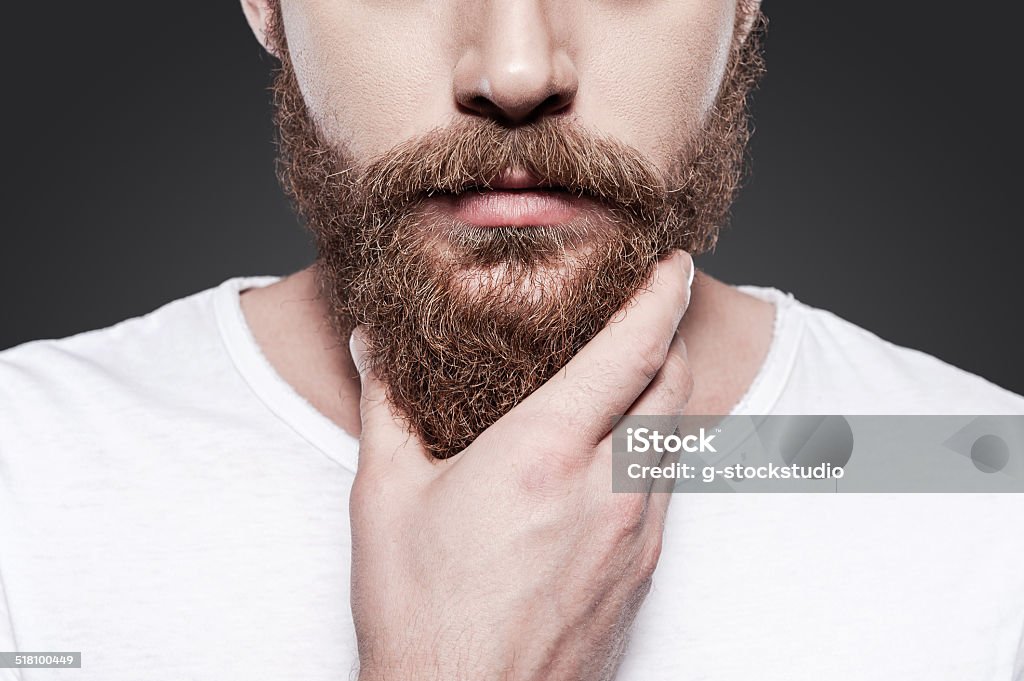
point(375, 72)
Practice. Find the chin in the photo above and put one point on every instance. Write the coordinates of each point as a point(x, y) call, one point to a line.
point(512, 287)
point(511, 263)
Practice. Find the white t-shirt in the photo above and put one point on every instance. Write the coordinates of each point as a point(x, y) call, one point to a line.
point(171, 508)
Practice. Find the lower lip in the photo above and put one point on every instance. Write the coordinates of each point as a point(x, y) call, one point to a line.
point(523, 208)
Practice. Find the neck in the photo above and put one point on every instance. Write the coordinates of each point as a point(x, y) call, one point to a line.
point(727, 335)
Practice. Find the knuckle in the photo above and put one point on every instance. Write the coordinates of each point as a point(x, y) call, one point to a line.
point(650, 555)
point(624, 515)
point(677, 367)
point(546, 474)
point(649, 353)
point(548, 450)
point(686, 384)
point(678, 376)
point(674, 384)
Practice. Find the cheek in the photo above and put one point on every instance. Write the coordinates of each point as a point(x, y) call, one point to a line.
point(375, 73)
point(656, 74)
point(370, 75)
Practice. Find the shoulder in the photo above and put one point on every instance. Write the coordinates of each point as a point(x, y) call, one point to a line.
point(836, 366)
point(110, 348)
point(90, 376)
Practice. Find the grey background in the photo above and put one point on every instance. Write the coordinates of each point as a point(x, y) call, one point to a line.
point(139, 169)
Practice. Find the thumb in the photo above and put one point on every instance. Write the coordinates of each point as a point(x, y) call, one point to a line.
point(385, 438)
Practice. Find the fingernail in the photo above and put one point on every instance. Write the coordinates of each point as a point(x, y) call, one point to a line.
point(684, 256)
point(357, 348)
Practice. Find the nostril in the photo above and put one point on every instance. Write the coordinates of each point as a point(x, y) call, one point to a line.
point(485, 106)
point(553, 104)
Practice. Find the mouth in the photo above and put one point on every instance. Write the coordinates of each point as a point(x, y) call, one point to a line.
point(515, 198)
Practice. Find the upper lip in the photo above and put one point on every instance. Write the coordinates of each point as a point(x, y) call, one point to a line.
point(517, 178)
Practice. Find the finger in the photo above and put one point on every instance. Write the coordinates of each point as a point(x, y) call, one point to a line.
point(660, 498)
point(657, 409)
point(385, 438)
point(613, 473)
point(663, 489)
point(605, 378)
point(671, 399)
point(670, 391)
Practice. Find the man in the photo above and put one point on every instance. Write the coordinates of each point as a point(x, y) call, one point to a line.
point(505, 196)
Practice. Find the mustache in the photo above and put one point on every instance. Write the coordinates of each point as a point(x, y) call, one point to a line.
point(470, 154)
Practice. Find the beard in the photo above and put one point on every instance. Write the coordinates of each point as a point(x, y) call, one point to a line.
point(463, 322)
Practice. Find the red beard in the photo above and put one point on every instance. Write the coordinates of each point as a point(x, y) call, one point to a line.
point(463, 322)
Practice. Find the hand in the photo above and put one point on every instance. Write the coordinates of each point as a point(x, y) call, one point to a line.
point(513, 560)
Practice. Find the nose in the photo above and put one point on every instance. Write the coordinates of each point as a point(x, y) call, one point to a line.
point(513, 68)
